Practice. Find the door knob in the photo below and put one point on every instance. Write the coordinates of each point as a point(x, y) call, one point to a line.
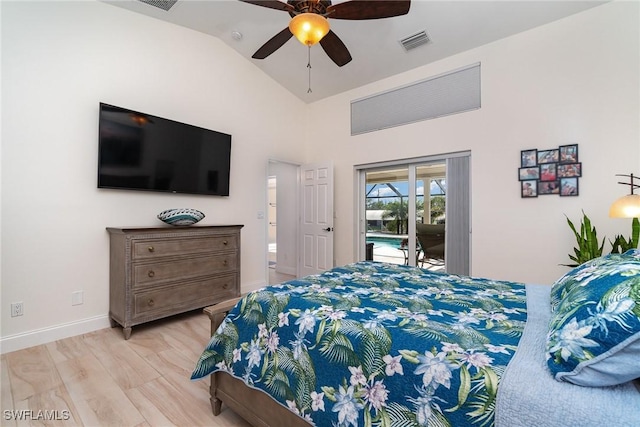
point(328, 229)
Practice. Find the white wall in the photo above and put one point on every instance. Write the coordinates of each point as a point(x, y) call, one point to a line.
point(59, 60)
point(572, 81)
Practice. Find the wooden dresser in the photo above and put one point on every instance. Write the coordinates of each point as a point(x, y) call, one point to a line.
point(157, 272)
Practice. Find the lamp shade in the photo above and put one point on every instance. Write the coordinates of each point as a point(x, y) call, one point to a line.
point(309, 28)
point(626, 207)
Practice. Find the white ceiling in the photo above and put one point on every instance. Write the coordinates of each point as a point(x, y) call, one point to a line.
point(453, 26)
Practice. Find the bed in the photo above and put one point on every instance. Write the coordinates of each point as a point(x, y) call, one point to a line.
point(380, 344)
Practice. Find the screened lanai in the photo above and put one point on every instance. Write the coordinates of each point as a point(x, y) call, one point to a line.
point(387, 200)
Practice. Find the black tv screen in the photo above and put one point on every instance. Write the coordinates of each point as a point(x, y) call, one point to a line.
point(138, 151)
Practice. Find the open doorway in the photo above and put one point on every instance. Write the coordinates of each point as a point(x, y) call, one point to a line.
point(272, 221)
point(282, 221)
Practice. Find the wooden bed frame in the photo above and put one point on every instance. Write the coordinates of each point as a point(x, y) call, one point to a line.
point(255, 406)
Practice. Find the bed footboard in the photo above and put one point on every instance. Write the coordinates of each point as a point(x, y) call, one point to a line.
point(243, 400)
point(255, 406)
point(217, 314)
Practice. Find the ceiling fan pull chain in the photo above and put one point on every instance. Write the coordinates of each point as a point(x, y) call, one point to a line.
point(309, 67)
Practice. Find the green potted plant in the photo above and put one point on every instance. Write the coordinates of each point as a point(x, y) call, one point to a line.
point(588, 245)
point(621, 245)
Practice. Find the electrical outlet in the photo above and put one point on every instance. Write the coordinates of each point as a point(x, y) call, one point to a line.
point(17, 309)
point(76, 298)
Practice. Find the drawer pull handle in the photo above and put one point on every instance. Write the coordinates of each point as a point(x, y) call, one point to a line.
point(225, 262)
point(151, 249)
point(151, 273)
point(225, 286)
point(151, 303)
point(225, 242)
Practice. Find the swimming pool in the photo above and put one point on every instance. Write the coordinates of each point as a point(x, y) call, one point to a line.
point(390, 242)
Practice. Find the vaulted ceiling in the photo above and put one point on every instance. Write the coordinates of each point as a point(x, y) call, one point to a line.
point(452, 26)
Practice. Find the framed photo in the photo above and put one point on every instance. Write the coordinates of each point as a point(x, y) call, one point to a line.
point(548, 156)
point(569, 153)
point(569, 170)
point(529, 158)
point(548, 172)
point(549, 187)
point(529, 188)
point(569, 186)
point(529, 173)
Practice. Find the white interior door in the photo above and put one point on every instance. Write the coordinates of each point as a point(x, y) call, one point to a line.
point(316, 218)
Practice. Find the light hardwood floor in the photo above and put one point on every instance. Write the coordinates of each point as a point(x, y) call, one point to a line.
point(99, 379)
point(275, 277)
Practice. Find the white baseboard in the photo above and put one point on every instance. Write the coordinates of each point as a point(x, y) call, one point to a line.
point(46, 335)
point(291, 271)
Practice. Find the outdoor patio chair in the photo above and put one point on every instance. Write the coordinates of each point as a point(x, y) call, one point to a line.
point(431, 240)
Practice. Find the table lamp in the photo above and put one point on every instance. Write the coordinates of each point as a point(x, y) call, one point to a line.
point(628, 206)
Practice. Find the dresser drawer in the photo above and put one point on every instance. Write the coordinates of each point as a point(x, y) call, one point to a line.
point(186, 296)
point(156, 248)
point(152, 274)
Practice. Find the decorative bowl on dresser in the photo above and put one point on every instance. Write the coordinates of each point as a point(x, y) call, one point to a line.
point(157, 272)
point(180, 216)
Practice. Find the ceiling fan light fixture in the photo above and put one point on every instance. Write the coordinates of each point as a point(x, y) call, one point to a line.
point(309, 28)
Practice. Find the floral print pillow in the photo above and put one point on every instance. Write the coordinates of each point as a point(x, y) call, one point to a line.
point(581, 275)
point(594, 336)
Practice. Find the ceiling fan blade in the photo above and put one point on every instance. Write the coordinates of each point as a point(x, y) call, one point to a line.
point(273, 44)
point(368, 9)
point(335, 49)
point(271, 4)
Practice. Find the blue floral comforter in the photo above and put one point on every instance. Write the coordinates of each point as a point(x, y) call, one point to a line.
point(375, 344)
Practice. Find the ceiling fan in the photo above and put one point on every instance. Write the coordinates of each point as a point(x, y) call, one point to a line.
point(309, 22)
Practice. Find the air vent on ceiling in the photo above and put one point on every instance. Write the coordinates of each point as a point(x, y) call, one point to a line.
point(414, 40)
point(160, 4)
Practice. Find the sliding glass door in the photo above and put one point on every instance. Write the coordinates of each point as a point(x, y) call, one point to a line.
point(431, 202)
point(387, 209)
point(403, 213)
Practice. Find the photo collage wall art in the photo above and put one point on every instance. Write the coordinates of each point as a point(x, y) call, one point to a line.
point(552, 171)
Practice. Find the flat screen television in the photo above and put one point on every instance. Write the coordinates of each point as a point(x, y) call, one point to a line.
point(138, 151)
